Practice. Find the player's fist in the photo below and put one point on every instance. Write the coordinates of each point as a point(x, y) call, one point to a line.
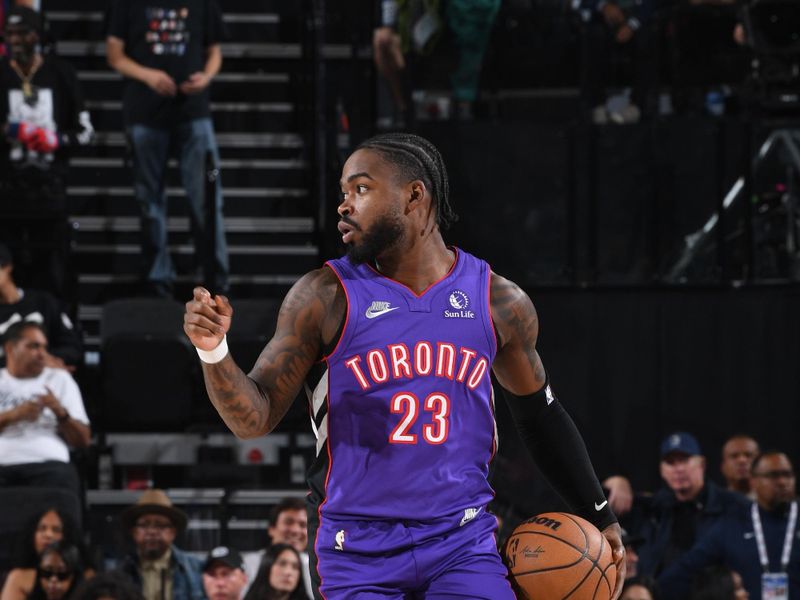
point(207, 319)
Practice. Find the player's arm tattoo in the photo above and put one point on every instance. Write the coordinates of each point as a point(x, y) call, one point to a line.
point(253, 404)
point(517, 366)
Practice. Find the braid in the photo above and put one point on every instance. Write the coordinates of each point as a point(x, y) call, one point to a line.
point(416, 158)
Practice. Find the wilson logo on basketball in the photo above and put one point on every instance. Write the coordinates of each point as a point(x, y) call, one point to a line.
point(544, 521)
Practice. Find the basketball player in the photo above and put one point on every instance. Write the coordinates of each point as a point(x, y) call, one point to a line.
point(397, 339)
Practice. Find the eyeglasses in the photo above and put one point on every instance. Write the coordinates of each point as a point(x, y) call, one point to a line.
point(156, 525)
point(60, 575)
point(775, 475)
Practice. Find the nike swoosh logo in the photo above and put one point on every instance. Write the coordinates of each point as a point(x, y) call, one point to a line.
point(371, 314)
point(467, 518)
point(599, 507)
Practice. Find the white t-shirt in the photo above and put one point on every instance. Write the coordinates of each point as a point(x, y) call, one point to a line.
point(37, 441)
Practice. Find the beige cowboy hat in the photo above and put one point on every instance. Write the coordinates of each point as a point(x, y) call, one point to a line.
point(153, 502)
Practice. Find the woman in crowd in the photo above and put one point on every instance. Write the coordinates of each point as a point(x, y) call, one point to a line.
point(278, 577)
point(718, 583)
point(50, 526)
point(59, 572)
point(640, 588)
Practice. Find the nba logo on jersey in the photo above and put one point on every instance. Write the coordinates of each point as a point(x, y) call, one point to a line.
point(459, 301)
point(339, 540)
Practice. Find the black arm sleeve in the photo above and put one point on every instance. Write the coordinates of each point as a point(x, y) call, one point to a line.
point(559, 451)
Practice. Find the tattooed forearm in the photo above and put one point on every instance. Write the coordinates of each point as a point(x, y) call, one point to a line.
point(241, 403)
point(254, 404)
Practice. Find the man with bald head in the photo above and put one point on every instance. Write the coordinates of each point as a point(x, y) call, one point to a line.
point(757, 541)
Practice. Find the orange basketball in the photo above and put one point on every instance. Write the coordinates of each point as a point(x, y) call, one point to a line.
point(556, 556)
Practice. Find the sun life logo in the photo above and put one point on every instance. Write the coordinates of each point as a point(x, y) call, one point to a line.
point(460, 302)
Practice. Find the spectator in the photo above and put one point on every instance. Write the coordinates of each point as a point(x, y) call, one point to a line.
point(59, 572)
point(41, 414)
point(409, 25)
point(687, 508)
point(631, 542)
point(223, 574)
point(43, 116)
point(718, 583)
point(640, 588)
point(288, 524)
point(737, 457)
point(107, 586)
point(613, 27)
point(44, 529)
point(278, 577)
point(735, 539)
point(170, 56)
point(16, 304)
point(153, 523)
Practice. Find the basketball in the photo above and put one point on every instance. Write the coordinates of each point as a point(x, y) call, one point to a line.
point(555, 556)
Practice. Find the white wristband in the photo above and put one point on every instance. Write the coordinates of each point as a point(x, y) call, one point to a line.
point(217, 354)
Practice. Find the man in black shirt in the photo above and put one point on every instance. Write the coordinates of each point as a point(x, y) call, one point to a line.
point(42, 115)
point(170, 51)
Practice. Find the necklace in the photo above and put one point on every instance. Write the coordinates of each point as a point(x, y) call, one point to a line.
point(28, 91)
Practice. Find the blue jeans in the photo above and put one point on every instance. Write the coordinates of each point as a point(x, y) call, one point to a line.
point(151, 150)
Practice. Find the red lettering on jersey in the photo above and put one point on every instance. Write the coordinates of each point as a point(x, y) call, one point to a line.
point(400, 365)
point(445, 360)
point(377, 366)
point(467, 356)
point(352, 364)
point(477, 374)
point(422, 358)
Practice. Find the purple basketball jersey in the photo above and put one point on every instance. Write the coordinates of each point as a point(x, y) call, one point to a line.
point(404, 414)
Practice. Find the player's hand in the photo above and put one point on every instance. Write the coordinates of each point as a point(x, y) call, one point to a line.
point(207, 319)
point(161, 83)
point(614, 536)
point(387, 51)
point(27, 411)
point(620, 494)
point(196, 83)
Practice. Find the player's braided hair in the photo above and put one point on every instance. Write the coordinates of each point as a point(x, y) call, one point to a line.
point(417, 158)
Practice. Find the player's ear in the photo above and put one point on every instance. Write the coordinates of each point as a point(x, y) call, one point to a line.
point(416, 194)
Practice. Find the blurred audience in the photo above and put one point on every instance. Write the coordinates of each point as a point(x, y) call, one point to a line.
point(640, 588)
point(59, 572)
point(170, 56)
point(754, 540)
point(43, 530)
point(689, 505)
point(631, 543)
point(107, 586)
point(738, 453)
point(718, 583)
point(41, 414)
point(223, 574)
point(159, 569)
point(65, 348)
point(43, 116)
point(278, 578)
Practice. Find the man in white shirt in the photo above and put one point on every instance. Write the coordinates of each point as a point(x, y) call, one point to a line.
point(41, 414)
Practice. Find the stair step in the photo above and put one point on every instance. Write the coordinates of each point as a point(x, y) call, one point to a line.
point(181, 224)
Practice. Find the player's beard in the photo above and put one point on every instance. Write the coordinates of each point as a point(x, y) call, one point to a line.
point(384, 234)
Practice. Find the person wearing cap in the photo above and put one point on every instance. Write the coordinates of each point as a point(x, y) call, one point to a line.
point(42, 117)
point(65, 348)
point(41, 415)
point(223, 574)
point(758, 540)
point(157, 567)
point(685, 509)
